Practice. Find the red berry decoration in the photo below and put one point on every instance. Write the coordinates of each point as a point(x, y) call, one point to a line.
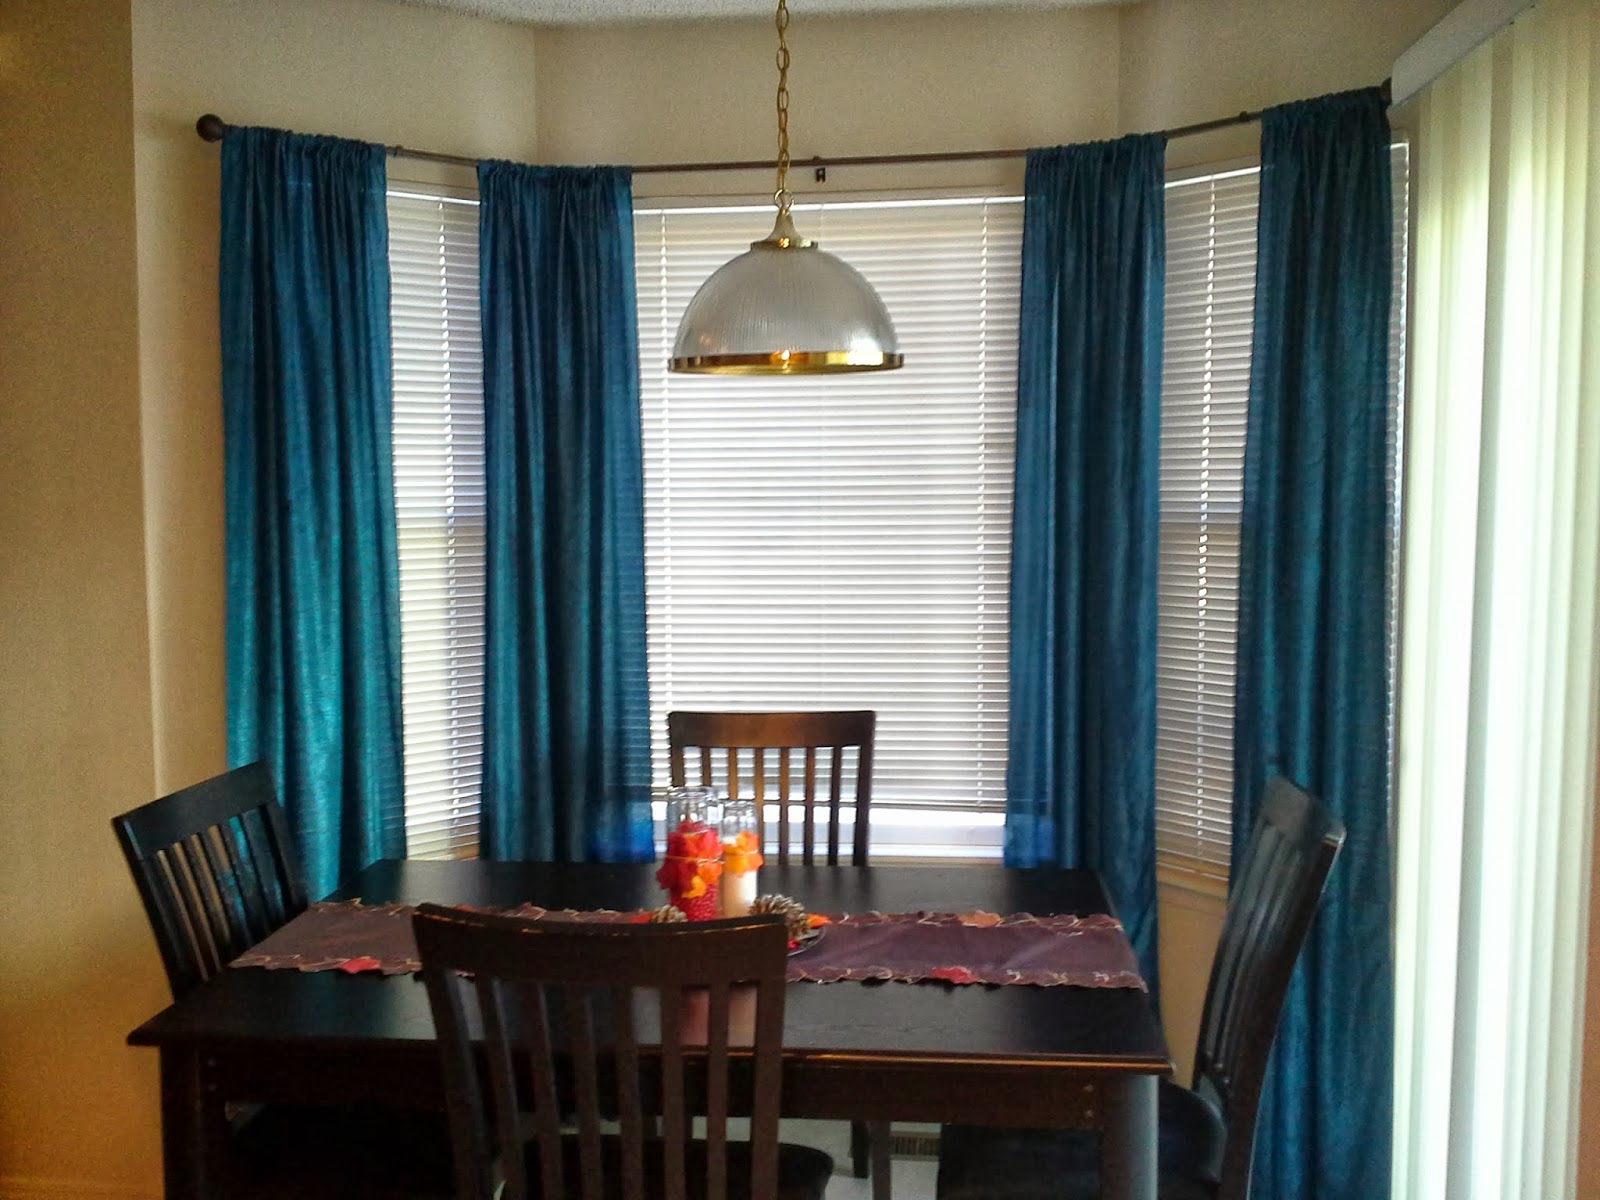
point(704, 907)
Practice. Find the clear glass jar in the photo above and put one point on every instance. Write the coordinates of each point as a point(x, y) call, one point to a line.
point(692, 867)
point(692, 808)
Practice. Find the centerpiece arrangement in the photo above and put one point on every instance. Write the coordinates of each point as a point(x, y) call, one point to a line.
point(713, 854)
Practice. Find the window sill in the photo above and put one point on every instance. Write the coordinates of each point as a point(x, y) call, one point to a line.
point(1198, 886)
point(934, 835)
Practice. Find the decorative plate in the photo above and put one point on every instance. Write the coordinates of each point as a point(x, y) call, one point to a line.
point(806, 940)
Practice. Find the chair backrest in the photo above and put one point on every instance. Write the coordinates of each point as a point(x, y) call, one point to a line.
point(601, 1022)
point(215, 869)
point(1278, 886)
point(754, 756)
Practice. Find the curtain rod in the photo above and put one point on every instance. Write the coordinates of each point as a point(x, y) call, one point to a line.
point(212, 128)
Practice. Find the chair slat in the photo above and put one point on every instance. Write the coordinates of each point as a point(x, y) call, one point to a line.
point(546, 1100)
point(786, 829)
point(674, 1128)
point(194, 892)
point(835, 774)
point(257, 905)
point(767, 1082)
point(717, 1092)
point(584, 1058)
point(468, 1123)
point(630, 1110)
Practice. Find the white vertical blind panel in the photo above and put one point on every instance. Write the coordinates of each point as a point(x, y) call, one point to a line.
point(439, 512)
point(843, 542)
point(1205, 389)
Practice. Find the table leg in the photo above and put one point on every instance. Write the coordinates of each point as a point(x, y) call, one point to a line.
point(190, 1127)
point(882, 1163)
point(1128, 1143)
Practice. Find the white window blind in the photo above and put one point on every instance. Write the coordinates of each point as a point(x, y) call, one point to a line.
point(1205, 389)
point(843, 542)
point(439, 512)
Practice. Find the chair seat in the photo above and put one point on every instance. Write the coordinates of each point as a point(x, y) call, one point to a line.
point(287, 1150)
point(803, 1173)
point(977, 1163)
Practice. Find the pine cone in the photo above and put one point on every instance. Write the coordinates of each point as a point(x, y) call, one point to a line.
point(793, 914)
point(666, 915)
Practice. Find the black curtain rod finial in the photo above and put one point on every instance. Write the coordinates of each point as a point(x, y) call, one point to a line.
point(211, 127)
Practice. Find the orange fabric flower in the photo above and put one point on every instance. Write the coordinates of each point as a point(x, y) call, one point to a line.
point(687, 877)
point(742, 854)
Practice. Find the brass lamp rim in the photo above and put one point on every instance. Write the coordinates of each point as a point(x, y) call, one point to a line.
point(792, 362)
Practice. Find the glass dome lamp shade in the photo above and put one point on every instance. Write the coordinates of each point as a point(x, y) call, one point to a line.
point(785, 307)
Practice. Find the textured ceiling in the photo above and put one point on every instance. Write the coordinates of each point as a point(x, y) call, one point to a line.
point(619, 12)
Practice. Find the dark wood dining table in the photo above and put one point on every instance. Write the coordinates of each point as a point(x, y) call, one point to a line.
point(1085, 1057)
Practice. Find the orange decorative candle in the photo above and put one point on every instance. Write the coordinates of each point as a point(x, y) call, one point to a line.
point(741, 856)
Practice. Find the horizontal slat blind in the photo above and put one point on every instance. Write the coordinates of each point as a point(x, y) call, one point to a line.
point(439, 512)
point(1211, 261)
point(843, 542)
point(1205, 389)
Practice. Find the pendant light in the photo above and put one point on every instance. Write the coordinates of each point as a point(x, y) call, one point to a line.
point(785, 307)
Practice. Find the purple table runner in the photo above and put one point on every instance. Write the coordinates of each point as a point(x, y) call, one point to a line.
point(957, 948)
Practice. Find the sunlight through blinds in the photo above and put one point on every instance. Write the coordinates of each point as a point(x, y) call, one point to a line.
point(1205, 392)
point(843, 542)
point(439, 511)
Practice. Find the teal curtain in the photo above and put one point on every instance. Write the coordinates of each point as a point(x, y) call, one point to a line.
point(1313, 689)
point(566, 757)
point(1080, 782)
point(313, 585)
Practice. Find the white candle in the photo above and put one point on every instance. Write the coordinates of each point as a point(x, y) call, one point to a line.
point(738, 892)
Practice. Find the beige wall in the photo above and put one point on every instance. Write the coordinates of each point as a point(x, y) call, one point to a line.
point(951, 81)
point(74, 663)
point(356, 68)
point(1256, 53)
point(860, 85)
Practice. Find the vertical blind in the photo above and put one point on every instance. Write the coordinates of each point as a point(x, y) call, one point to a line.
point(439, 510)
point(842, 542)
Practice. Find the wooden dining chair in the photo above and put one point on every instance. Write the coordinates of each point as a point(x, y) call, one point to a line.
point(594, 1024)
point(1207, 1132)
point(772, 758)
point(783, 759)
point(216, 872)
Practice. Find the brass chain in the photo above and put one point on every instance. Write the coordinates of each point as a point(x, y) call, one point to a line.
point(781, 195)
